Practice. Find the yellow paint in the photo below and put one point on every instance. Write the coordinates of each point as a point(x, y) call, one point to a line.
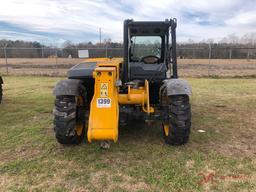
point(79, 126)
point(104, 61)
point(103, 119)
point(104, 110)
point(79, 129)
point(166, 129)
point(137, 96)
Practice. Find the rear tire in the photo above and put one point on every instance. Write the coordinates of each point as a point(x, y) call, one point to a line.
point(176, 129)
point(69, 119)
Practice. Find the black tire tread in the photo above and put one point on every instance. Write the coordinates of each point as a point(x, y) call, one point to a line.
point(179, 120)
point(65, 120)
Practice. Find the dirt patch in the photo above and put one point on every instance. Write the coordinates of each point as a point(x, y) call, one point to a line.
point(6, 181)
point(235, 148)
point(48, 131)
point(124, 182)
point(190, 164)
point(187, 67)
point(20, 153)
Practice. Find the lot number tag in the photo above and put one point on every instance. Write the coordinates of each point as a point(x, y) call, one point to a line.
point(103, 102)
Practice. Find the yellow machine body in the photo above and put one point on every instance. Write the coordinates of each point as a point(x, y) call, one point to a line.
point(104, 109)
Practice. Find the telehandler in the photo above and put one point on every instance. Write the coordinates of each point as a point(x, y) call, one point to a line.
point(100, 93)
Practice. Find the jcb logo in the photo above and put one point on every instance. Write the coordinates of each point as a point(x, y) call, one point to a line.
point(103, 89)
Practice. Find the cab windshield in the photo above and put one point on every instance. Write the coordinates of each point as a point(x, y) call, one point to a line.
point(142, 46)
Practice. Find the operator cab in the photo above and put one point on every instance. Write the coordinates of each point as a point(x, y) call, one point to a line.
point(147, 52)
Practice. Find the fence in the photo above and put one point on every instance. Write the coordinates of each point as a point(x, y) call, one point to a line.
point(207, 61)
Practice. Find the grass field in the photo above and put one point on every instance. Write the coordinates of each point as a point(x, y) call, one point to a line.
point(187, 67)
point(221, 159)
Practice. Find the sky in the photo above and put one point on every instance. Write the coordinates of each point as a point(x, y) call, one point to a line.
point(56, 21)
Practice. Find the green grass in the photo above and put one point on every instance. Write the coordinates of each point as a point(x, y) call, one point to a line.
point(32, 160)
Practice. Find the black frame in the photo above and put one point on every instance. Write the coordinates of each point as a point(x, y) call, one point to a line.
point(170, 51)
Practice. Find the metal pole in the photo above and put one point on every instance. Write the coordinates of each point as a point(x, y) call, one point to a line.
point(253, 42)
point(230, 56)
point(56, 57)
point(210, 54)
point(106, 50)
point(42, 52)
point(5, 55)
point(100, 35)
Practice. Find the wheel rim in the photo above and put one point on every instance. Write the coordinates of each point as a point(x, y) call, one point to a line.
point(79, 125)
point(166, 129)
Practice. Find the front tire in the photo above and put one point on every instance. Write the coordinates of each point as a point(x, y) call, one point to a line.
point(176, 129)
point(69, 119)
